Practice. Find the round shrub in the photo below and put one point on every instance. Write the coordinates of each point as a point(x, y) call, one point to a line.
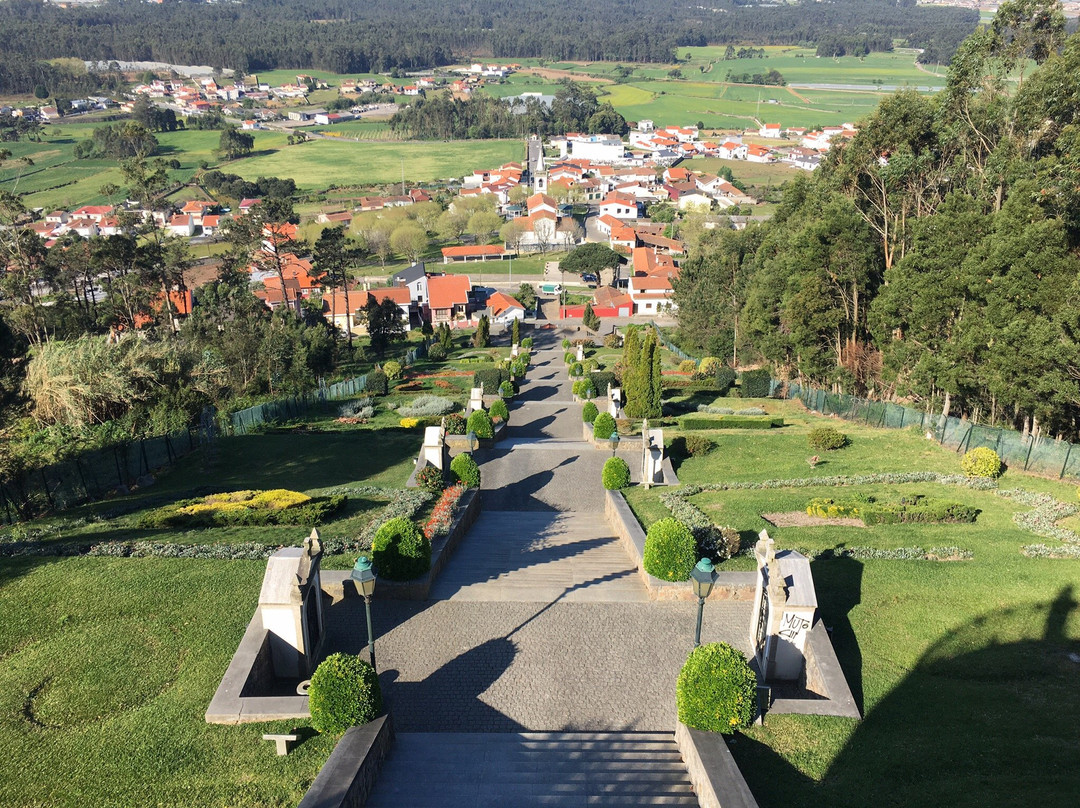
point(499, 410)
point(670, 550)
point(565, 344)
point(506, 390)
point(455, 424)
point(589, 412)
point(603, 427)
point(344, 693)
point(436, 353)
point(375, 383)
point(392, 369)
point(577, 370)
point(709, 365)
point(825, 439)
point(616, 474)
point(716, 690)
point(981, 462)
point(430, 479)
point(480, 423)
point(698, 445)
point(527, 343)
point(464, 469)
point(687, 366)
point(399, 551)
point(569, 358)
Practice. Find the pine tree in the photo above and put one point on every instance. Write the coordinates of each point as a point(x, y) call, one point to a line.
point(516, 332)
point(631, 375)
point(656, 382)
point(482, 337)
point(589, 318)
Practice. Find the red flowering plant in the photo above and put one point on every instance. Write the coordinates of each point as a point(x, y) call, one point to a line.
point(442, 515)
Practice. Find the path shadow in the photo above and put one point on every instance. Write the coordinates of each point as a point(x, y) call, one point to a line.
point(520, 495)
point(538, 393)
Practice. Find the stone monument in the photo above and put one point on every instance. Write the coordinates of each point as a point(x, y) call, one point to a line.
point(652, 455)
point(614, 401)
point(514, 350)
point(785, 603)
point(476, 398)
point(581, 353)
point(291, 610)
point(434, 451)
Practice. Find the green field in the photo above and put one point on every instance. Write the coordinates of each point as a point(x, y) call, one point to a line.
point(320, 164)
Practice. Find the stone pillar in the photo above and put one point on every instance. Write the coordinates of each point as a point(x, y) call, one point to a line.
point(434, 451)
point(614, 401)
point(290, 608)
point(581, 353)
point(476, 398)
point(785, 603)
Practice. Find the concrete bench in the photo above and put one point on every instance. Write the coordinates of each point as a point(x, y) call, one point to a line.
point(282, 741)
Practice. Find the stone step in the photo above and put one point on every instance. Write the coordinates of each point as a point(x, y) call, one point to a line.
point(531, 769)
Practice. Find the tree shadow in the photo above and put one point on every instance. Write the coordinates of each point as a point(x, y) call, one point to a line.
point(987, 716)
point(838, 582)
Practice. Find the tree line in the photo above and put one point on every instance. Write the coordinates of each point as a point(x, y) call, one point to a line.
point(935, 257)
point(380, 35)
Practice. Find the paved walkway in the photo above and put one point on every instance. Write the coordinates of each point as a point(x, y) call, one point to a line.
point(537, 624)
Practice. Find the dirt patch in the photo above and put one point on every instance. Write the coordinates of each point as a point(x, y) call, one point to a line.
point(555, 75)
point(803, 519)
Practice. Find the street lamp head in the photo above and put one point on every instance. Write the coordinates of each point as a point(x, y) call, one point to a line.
point(703, 577)
point(614, 441)
point(363, 576)
point(472, 441)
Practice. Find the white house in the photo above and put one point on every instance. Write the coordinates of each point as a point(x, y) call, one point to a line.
point(771, 130)
point(182, 225)
point(760, 154)
point(730, 150)
point(599, 148)
point(415, 278)
point(620, 206)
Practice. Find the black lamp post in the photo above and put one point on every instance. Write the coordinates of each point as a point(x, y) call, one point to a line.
point(472, 441)
point(614, 441)
point(363, 576)
point(703, 577)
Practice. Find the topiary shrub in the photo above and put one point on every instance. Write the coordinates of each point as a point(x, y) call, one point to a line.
point(708, 367)
point(716, 690)
point(455, 424)
point(430, 478)
point(725, 379)
point(392, 369)
point(480, 423)
point(527, 343)
point(499, 410)
point(399, 551)
point(565, 344)
point(436, 352)
point(375, 383)
point(616, 474)
point(464, 469)
point(589, 412)
point(698, 445)
point(670, 550)
point(981, 462)
point(689, 365)
point(603, 426)
point(826, 439)
point(756, 383)
point(344, 693)
point(602, 380)
point(506, 390)
point(577, 370)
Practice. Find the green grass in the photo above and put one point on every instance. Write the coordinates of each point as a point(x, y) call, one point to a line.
point(108, 667)
point(952, 663)
point(322, 163)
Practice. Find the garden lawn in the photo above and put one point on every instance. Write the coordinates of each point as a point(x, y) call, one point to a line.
point(962, 669)
point(109, 665)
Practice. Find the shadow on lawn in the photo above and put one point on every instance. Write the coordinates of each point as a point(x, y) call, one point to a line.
point(987, 716)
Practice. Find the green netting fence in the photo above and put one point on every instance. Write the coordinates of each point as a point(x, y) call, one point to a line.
point(244, 421)
point(91, 475)
point(1041, 455)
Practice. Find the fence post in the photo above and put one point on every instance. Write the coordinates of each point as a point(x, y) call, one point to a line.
point(903, 412)
point(1066, 463)
point(48, 493)
point(964, 442)
point(1031, 445)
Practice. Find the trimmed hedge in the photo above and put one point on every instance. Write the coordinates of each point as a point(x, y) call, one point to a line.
point(981, 462)
point(498, 409)
point(716, 690)
point(602, 381)
point(399, 551)
point(616, 474)
point(826, 439)
point(697, 445)
point(670, 550)
point(756, 383)
point(375, 383)
point(480, 423)
point(245, 508)
point(909, 510)
point(490, 378)
point(603, 426)
point(464, 468)
point(344, 693)
point(731, 422)
point(589, 412)
point(725, 379)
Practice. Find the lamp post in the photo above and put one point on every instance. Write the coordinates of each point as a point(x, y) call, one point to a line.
point(614, 441)
point(472, 441)
point(703, 577)
point(363, 576)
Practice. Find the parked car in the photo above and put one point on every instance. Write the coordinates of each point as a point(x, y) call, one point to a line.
point(590, 279)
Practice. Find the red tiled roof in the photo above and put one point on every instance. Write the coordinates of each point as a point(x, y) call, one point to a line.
point(500, 302)
point(447, 291)
point(466, 251)
point(399, 294)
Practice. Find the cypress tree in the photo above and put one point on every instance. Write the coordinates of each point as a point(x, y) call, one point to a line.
point(630, 371)
point(656, 386)
point(516, 332)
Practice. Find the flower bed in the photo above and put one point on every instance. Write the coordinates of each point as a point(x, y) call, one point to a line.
point(442, 515)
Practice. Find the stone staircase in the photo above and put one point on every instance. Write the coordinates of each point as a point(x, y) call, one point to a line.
point(523, 770)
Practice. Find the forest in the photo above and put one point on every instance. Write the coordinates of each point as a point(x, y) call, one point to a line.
point(384, 34)
point(934, 257)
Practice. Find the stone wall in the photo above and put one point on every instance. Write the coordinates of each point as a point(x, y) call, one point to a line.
point(348, 776)
point(717, 781)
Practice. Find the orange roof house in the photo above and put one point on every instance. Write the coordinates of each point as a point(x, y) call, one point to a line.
point(448, 297)
point(472, 253)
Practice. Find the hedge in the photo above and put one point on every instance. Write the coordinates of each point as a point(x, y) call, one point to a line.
point(731, 422)
point(602, 381)
point(490, 378)
point(399, 551)
point(716, 690)
point(244, 508)
point(917, 509)
point(464, 468)
point(603, 426)
point(756, 383)
point(725, 379)
point(480, 423)
point(344, 693)
point(670, 550)
point(616, 474)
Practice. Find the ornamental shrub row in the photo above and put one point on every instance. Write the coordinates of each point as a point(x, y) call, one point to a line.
point(756, 383)
point(616, 474)
point(262, 508)
point(427, 405)
point(713, 409)
point(490, 379)
point(399, 551)
point(917, 509)
point(731, 422)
